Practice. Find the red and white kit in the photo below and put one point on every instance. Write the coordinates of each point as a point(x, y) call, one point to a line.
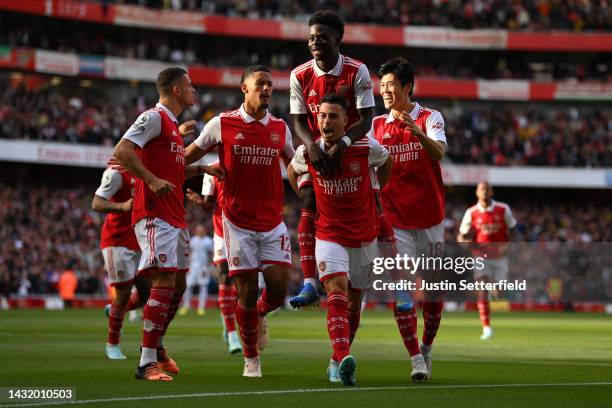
point(490, 225)
point(309, 84)
point(347, 222)
point(212, 186)
point(118, 242)
point(413, 198)
point(159, 222)
point(253, 193)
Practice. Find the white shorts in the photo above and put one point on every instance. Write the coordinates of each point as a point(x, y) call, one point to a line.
point(494, 269)
point(417, 242)
point(163, 246)
point(121, 264)
point(334, 259)
point(198, 275)
point(219, 252)
point(252, 251)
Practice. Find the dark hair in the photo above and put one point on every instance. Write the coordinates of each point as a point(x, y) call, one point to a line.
point(401, 68)
point(335, 99)
point(251, 70)
point(167, 78)
point(329, 18)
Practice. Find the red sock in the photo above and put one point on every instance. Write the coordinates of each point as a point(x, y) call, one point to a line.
point(172, 309)
point(338, 324)
point(353, 319)
point(485, 312)
point(306, 240)
point(248, 321)
point(115, 322)
point(154, 315)
point(407, 325)
point(267, 304)
point(133, 302)
point(432, 313)
point(227, 304)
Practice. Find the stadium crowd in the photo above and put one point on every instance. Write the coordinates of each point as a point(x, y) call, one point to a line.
point(501, 134)
point(574, 15)
point(77, 37)
point(45, 230)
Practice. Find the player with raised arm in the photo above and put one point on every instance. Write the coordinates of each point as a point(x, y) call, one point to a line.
point(347, 227)
point(413, 199)
point(201, 248)
point(212, 194)
point(251, 142)
point(121, 252)
point(152, 149)
point(328, 71)
point(488, 223)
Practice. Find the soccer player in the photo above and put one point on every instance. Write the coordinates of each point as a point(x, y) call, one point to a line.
point(413, 199)
point(120, 250)
point(201, 248)
point(251, 142)
point(328, 71)
point(152, 149)
point(346, 228)
point(488, 222)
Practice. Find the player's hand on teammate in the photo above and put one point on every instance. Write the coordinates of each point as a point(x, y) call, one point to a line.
point(115, 164)
point(320, 161)
point(188, 128)
point(197, 199)
point(161, 187)
point(126, 206)
point(216, 171)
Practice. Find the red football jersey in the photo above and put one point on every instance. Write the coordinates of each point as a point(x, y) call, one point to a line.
point(490, 225)
point(212, 186)
point(309, 84)
point(413, 198)
point(118, 186)
point(249, 152)
point(346, 210)
point(163, 153)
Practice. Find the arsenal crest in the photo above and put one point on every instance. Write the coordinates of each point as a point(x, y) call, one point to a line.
point(342, 90)
point(355, 167)
point(322, 266)
point(163, 258)
point(236, 261)
point(274, 137)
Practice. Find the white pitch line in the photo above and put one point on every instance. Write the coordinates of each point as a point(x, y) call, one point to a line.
point(301, 391)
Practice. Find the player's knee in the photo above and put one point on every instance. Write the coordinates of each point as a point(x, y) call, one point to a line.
point(165, 279)
point(336, 284)
point(122, 295)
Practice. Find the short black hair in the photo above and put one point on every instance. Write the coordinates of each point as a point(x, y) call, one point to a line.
point(401, 68)
point(167, 78)
point(251, 70)
point(335, 99)
point(329, 18)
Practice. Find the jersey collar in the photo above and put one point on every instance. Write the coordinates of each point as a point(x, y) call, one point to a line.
point(414, 114)
point(170, 115)
point(248, 118)
point(487, 209)
point(335, 71)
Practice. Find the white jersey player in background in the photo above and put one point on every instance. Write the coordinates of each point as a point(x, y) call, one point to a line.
point(200, 267)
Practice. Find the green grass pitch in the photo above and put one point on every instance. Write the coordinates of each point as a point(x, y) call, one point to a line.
point(534, 360)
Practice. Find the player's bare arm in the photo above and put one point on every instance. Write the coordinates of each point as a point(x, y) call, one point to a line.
point(103, 205)
point(205, 202)
point(125, 152)
point(435, 148)
point(355, 133)
point(292, 177)
point(188, 128)
point(383, 173)
point(192, 171)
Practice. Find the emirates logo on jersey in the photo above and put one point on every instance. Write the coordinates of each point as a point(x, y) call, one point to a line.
point(322, 266)
point(274, 137)
point(236, 261)
point(355, 167)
